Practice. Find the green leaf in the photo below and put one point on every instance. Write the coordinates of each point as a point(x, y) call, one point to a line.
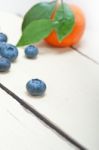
point(65, 21)
point(41, 10)
point(35, 31)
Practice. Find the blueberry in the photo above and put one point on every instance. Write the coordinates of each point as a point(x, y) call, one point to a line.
point(36, 87)
point(3, 37)
point(8, 51)
point(2, 45)
point(5, 64)
point(31, 51)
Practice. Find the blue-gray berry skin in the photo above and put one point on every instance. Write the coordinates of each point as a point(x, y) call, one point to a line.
point(36, 87)
point(3, 37)
point(8, 51)
point(31, 51)
point(2, 45)
point(5, 64)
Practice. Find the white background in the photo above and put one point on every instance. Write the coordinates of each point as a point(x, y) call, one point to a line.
point(21, 6)
point(16, 6)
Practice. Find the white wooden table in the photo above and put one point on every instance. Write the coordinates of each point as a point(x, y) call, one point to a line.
point(72, 96)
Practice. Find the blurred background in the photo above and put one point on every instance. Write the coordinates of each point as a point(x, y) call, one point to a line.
point(16, 6)
point(21, 6)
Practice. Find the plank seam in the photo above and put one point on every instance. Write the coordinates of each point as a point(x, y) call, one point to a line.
point(44, 119)
point(84, 55)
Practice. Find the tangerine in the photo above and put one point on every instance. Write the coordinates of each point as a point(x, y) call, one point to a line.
point(75, 36)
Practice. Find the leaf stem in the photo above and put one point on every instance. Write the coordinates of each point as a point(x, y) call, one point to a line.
point(62, 3)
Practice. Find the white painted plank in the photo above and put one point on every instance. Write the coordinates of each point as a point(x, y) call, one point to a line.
point(23, 131)
point(11, 25)
point(20, 130)
point(72, 94)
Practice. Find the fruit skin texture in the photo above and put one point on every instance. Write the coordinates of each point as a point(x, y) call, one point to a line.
point(74, 36)
point(1, 46)
point(36, 87)
point(3, 37)
point(5, 64)
point(31, 51)
point(8, 51)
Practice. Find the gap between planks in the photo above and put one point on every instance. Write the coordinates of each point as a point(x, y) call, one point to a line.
point(84, 55)
point(43, 119)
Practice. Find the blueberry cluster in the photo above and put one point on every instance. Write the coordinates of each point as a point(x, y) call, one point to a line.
point(5, 64)
point(8, 53)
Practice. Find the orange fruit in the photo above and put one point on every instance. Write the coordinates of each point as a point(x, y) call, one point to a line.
point(75, 36)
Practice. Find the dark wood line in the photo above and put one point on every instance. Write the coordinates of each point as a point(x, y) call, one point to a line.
point(42, 118)
point(89, 58)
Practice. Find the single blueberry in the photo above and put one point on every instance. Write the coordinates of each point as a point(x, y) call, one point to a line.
point(31, 51)
point(8, 51)
point(3, 37)
point(5, 64)
point(36, 87)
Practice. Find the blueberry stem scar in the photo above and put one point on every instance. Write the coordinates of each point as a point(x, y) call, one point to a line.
point(45, 120)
